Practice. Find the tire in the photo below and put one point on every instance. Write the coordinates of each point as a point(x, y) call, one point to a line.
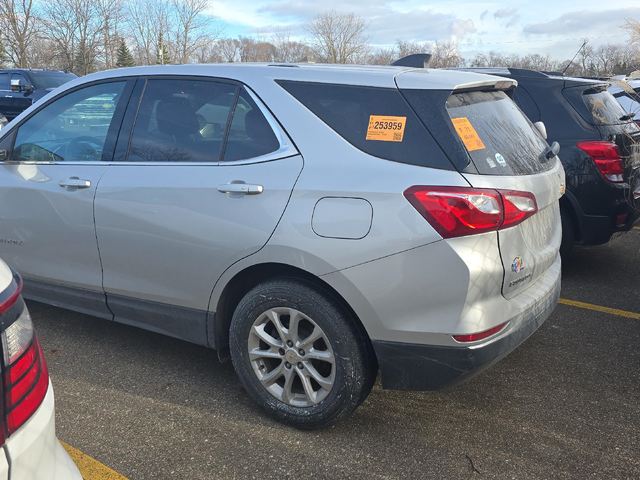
point(568, 232)
point(282, 392)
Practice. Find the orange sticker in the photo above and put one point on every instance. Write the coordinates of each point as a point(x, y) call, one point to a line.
point(468, 134)
point(386, 129)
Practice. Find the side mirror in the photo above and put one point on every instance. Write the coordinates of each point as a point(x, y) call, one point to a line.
point(542, 129)
point(17, 86)
point(552, 151)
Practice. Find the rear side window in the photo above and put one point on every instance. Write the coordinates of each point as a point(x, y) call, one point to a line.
point(181, 121)
point(250, 135)
point(4, 81)
point(377, 121)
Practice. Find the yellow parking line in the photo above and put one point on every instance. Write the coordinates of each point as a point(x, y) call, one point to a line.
point(90, 468)
point(598, 308)
point(636, 228)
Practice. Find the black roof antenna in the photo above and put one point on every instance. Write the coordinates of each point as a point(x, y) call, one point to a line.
point(574, 57)
point(417, 60)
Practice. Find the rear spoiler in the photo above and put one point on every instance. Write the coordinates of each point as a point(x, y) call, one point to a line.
point(501, 84)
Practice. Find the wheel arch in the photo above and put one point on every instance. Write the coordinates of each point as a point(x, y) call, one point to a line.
point(569, 205)
point(246, 279)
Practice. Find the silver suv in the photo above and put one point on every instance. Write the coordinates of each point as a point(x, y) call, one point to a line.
point(316, 224)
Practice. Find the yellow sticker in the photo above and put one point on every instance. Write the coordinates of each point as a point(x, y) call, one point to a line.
point(386, 129)
point(468, 134)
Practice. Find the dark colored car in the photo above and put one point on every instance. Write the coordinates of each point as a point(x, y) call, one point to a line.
point(600, 151)
point(20, 88)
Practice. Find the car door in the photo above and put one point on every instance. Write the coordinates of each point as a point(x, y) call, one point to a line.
point(201, 175)
point(53, 162)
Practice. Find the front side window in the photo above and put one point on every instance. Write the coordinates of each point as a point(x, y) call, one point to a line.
point(182, 121)
point(72, 128)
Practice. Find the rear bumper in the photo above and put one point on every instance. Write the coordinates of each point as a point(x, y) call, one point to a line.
point(613, 201)
point(406, 366)
point(34, 451)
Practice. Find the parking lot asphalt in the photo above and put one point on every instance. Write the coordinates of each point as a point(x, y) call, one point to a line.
point(566, 404)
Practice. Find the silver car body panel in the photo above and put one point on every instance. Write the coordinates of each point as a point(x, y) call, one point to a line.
point(530, 248)
point(166, 233)
point(50, 229)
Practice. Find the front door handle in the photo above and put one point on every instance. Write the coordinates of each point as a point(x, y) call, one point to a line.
point(75, 182)
point(242, 188)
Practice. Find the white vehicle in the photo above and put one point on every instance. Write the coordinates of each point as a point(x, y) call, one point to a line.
point(630, 101)
point(30, 450)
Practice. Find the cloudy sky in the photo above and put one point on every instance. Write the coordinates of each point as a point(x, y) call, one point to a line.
point(542, 26)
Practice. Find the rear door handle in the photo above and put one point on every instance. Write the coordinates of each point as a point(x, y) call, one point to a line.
point(75, 182)
point(243, 188)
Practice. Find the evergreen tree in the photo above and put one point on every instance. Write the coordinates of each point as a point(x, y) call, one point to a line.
point(124, 58)
point(163, 54)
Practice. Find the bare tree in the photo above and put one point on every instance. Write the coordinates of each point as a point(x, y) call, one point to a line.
point(151, 23)
point(339, 37)
point(633, 27)
point(194, 27)
point(287, 50)
point(112, 13)
point(76, 29)
point(252, 50)
point(18, 29)
point(229, 49)
point(444, 54)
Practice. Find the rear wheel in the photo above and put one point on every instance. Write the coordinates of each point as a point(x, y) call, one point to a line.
point(298, 354)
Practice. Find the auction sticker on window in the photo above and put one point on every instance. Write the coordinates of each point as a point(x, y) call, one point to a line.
point(468, 134)
point(386, 129)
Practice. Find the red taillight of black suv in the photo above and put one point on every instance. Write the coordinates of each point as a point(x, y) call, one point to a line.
point(608, 159)
point(24, 369)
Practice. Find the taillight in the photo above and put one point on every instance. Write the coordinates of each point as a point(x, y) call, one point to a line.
point(25, 374)
point(474, 337)
point(460, 211)
point(608, 159)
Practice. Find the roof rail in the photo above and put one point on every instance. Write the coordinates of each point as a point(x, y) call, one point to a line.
point(417, 60)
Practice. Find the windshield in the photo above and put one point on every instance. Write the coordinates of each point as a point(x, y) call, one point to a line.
point(604, 108)
point(497, 135)
point(50, 80)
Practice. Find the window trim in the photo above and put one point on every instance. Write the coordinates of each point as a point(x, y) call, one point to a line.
point(287, 147)
point(111, 136)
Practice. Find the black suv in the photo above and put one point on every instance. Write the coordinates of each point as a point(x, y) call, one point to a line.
point(20, 88)
point(600, 151)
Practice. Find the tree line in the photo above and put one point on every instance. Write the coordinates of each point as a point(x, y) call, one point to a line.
point(85, 36)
